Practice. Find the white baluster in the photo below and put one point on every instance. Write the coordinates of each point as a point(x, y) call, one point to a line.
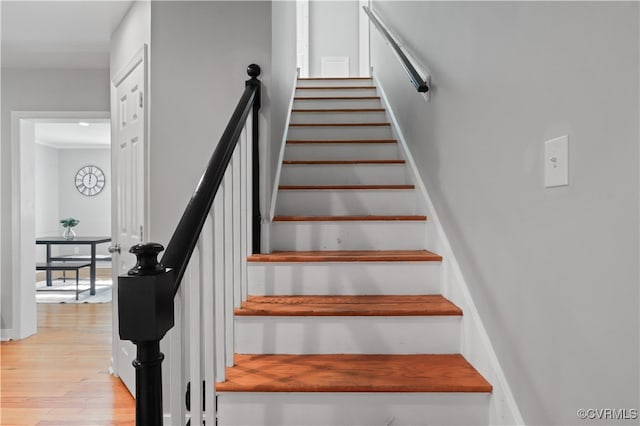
point(177, 352)
point(194, 345)
point(208, 333)
point(228, 267)
point(218, 271)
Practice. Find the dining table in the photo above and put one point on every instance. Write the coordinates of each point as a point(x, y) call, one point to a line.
point(77, 241)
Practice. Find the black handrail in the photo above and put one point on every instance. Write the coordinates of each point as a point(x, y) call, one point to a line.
point(146, 293)
point(186, 235)
point(416, 79)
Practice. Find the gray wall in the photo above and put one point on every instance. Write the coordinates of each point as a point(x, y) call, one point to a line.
point(56, 196)
point(553, 272)
point(333, 31)
point(199, 55)
point(132, 33)
point(94, 213)
point(283, 59)
point(39, 90)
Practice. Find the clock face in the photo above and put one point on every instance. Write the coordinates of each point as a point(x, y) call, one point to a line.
point(90, 180)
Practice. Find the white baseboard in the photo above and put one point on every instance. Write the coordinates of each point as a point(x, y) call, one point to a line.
point(7, 334)
point(283, 143)
point(476, 345)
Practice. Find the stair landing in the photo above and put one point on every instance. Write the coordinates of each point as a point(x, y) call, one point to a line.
point(353, 373)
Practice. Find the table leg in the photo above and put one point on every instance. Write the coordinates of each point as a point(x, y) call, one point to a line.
point(48, 270)
point(92, 271)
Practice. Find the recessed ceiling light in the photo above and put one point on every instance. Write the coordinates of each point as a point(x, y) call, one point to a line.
point(83, 124)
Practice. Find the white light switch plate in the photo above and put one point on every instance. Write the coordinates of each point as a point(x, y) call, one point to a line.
point(556, 162)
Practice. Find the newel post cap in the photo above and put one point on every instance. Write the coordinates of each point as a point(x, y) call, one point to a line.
point(253, 70)
point(147, 259)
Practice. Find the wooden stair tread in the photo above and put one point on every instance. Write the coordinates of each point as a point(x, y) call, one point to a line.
point(346, 187)
point(347, 218)
point(333, 110)
point(330, 162)
point(333, 98)
point(353, 373)
point(335, 87)
point(339, 124)
point(379, 305)
point(347, 256)
point(341, 141)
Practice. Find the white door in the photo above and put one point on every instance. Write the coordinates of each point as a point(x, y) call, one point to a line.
point(128, 105)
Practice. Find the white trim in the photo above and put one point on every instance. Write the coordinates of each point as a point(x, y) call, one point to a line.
point(283, 143)
point(476, 345)
point(302, 36)
point(7, 334)
point(20, 302)
point(364, 38)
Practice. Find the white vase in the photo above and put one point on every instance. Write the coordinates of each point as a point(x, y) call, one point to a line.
point(69, 234)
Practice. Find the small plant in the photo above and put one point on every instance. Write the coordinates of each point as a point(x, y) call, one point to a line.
point(69, 222)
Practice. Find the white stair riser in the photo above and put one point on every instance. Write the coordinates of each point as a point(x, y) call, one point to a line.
point(343, 278)
point(346, 92)
point(336, 103)
point(348, 335)
point(361, 235)
point(339, 132)
point(352, 409)
point(342, 151)
point(339, 117)
point(343, 174)
point(346, 202)
point(331, 83)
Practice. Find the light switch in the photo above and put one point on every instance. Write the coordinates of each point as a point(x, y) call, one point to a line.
point(556, 162)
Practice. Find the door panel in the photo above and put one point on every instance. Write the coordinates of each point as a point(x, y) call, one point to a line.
point(129, 172)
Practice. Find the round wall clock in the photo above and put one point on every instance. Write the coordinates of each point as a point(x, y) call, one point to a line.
point(90, 180)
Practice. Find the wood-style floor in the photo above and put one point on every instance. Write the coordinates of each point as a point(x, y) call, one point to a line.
point(60, 376)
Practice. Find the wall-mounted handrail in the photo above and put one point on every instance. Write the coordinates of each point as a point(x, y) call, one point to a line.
point(418, 82)
point(146, 294)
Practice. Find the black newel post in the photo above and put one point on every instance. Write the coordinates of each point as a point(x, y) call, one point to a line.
point(253, 71)
point(145, 314)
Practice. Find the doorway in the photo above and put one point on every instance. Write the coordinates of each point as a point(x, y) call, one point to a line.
point(23, 253)
point(335, 33)
point(73, 184)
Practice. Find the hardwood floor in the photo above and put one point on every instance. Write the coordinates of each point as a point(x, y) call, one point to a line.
point(60, 375)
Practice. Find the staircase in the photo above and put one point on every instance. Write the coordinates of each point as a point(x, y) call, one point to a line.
point(344, 323)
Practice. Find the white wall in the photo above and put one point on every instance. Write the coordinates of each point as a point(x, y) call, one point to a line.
point(333, 31)
point(56, 196)
point(94, 213)
point(47, 195)
point(39, 90)
point(553, 272)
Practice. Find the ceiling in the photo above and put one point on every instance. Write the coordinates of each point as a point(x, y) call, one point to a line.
point(68, 134)
point(59, 34)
